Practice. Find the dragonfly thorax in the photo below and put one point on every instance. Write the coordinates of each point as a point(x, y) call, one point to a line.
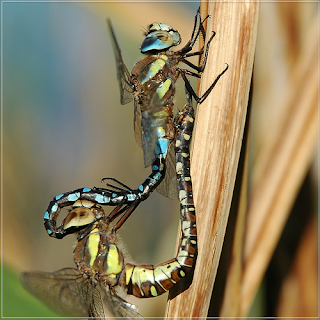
point(160, 37)
point(98, 256)
point(96, 253)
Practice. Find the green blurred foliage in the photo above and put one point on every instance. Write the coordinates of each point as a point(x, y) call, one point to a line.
point(17, 302)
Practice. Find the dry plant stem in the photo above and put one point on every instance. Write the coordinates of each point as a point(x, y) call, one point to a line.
point(281, 168)
point(232, 294)
point(217, 143)
point(299, 291)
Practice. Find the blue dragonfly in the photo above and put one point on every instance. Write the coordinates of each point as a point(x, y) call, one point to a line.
point(151, 85)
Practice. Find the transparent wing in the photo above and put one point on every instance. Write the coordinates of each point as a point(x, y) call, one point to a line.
point(68, 293)
point(124, 77)
point(149, 138)
point(168, 186)
point(119, 307)
point(96, 308)
point(137, 123)
point(64, 291)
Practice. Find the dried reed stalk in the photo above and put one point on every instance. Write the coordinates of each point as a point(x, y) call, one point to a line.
point(299, 292)
point(232, 294)
point(216, 145)
point(281, 168)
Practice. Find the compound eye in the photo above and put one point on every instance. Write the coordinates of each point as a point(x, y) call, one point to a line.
point(154, 27)
point(78, 217)
point(159, 38)
point(165, 27)
point(175, 37)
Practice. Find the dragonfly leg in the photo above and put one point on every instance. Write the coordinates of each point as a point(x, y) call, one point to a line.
point(190, 89)
point(128, 210)
point(204, 60)
point(197, 29)
point(123, 186)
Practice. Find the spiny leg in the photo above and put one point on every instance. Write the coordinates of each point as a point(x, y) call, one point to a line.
point(127, 212)
point(190, 89)
point(195, 34)
point(204, 60)
point(123, 187)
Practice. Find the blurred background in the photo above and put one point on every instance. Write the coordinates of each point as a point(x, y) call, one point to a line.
point(64, 128)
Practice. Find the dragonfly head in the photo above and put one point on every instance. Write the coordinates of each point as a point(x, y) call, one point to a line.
point(83, 214)
point(160, 37)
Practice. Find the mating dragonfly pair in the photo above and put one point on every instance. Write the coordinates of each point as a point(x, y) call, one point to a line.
point(102, 266)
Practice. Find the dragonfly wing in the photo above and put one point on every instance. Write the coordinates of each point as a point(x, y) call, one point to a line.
point(64, 291)
point(124, 77)
point(96, 308)
point(169, 186)
point(119, 307)
point(149, 139)
point(137, 123)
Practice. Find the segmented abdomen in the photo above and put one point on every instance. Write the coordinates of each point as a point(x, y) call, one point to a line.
point(146, 281)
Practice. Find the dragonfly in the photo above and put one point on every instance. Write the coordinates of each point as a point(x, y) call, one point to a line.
point(90, 289)
point(103, 268)
point(152, 86)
